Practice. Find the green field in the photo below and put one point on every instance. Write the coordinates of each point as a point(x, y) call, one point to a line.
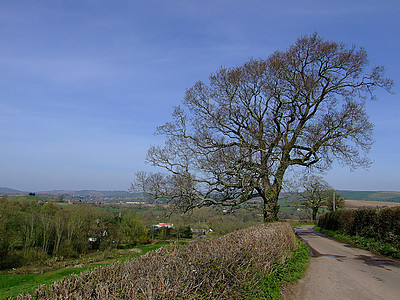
point(370, 196)
point(11, 285)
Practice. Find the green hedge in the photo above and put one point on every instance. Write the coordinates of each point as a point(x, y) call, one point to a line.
point(381, 224)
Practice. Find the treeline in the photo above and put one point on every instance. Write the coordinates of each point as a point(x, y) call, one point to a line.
point(379, 224)
point(31, 232)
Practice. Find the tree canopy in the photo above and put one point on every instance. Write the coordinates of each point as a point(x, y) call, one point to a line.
point(235, 137)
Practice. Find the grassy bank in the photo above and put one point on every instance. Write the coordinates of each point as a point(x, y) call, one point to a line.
point(11, 285)
point(282, 273)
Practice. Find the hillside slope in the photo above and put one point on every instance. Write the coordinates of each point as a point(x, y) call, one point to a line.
point(8, 191)
point(371, 196)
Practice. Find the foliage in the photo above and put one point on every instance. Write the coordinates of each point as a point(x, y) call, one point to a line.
point(9, 221)
point(165, 234)
point(221, 222)
point(379, 224)
point(224, 224)
point(31, 232)
point(234, 139)
point(133, 230)
point(219, 268)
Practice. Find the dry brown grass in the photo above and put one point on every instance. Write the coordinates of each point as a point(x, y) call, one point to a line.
point(219, 268)
point(355, 204)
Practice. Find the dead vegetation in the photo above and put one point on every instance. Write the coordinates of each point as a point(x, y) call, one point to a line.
point(220, 268)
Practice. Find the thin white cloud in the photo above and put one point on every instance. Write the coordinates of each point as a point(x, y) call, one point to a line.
point(62, 70)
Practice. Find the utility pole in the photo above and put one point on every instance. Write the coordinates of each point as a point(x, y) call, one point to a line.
point(333, 202)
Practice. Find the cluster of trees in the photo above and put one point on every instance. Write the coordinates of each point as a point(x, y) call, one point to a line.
point(31, 231)
point(318, 193)
point(220, 221)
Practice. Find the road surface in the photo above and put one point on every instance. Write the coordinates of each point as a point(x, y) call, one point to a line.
point(341, 271)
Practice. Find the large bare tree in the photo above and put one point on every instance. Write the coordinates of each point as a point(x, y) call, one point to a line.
point(234, 138)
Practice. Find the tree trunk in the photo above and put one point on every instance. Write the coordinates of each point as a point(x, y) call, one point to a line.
point(271, 211)
point(271, 207)
point(314, 213)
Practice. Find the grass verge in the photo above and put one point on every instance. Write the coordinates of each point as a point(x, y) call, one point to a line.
point(11, 285)
point(288, 272)
point(362, 242)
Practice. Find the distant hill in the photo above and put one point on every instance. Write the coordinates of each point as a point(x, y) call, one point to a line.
point(8, 191)
point(127, 196)
point(93, 195)
point(85, 193)
point(370, 196)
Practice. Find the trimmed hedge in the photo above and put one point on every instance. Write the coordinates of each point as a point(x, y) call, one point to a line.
point(219, 268)
point(380, 224)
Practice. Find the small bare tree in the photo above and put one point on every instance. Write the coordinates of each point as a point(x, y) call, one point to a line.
point(234, 138)
point(316, 193)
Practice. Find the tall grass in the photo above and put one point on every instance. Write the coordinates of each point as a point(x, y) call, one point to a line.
point(220, 268)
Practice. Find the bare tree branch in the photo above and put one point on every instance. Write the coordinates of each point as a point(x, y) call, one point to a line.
point(234, 138)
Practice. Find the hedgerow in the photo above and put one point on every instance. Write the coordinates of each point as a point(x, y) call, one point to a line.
point(220, 268)
point(379, 224)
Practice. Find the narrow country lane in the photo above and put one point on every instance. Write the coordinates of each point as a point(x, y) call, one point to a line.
point(341, 271)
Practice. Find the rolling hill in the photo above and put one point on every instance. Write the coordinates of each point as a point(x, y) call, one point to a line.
point(125, 195)
point(8, 191)
point(370, 196)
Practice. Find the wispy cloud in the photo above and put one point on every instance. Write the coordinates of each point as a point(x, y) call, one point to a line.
point(62, 70)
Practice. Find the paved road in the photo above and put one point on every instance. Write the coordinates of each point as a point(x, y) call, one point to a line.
point(341, 271)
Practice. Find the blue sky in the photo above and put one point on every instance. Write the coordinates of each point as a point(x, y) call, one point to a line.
point(84, 84)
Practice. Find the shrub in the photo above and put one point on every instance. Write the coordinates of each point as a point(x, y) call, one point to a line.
point(380, 224)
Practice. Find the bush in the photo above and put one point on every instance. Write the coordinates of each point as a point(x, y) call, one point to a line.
point(379, 224)
point(13, 259)
point(219, 268)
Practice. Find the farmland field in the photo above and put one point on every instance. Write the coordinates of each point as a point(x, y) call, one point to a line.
point(353, 204)
point(370, 196)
